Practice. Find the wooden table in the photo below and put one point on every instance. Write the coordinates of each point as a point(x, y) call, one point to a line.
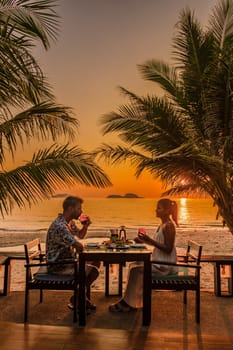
point(116, 256)
point(219, 261)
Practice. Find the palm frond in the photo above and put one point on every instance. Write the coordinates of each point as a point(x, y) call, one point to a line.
point(190, 189)
point(151, 123)
point(41, 121)
point(21, 79)
point(188, 134)
point(50, 169)
point(191, 44)
point(117, 154)
point(221, 24)
point(36, 19)
point(162, 74)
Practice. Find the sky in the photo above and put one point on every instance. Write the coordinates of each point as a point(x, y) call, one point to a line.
point(99, 46)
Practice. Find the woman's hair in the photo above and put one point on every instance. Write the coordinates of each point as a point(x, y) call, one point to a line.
point(171, 206)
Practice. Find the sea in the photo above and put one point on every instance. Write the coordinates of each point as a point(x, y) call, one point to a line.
point(105, 214)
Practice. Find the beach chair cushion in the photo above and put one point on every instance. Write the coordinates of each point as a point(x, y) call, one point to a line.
point(43, 275)
point(181, 275)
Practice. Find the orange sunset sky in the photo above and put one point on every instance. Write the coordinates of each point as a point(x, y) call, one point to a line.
point(98, 49)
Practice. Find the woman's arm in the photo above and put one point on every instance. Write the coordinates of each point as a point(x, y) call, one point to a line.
point(169, 233)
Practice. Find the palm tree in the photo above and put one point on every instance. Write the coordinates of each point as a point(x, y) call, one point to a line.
point(28, 111)
point(185, 138)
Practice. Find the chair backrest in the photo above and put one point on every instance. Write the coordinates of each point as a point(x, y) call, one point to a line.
point(193, 252)
point(33, 251)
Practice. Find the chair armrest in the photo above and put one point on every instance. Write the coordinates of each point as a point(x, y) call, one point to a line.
point(181, 257)
point(65, 262)
point(184, 258)
point(176, 264)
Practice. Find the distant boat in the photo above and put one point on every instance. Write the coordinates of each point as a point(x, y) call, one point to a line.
point(127, 195)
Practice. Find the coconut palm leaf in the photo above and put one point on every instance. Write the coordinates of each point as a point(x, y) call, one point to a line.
point(21, 79)
point(28, 111)
point(221, 24)
point(33, 19)
point(186, 137)
point(43, 121)
point(22, 23)
point(49, 170)
point(161, 73)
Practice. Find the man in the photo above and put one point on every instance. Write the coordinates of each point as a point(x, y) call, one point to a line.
point(63, 240)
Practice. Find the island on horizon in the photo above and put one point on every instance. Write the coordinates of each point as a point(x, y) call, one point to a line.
point(127, 195)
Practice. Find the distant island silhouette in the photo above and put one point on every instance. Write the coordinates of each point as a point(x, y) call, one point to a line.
point(127, 195)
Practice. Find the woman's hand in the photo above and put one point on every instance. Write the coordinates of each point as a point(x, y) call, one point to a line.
point(144, 238)
point(138, 240)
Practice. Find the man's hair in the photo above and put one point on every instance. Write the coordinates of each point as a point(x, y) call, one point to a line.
point(71, 201)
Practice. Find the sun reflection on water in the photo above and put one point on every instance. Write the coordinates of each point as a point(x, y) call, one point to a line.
point(183, 211)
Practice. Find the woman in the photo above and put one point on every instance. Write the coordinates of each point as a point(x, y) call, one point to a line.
point(164, 250)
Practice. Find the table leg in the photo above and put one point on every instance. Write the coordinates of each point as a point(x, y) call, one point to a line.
point(106, 279)
point(120, 279)
point(82, 291)
point(230, 281)
point(217, 279)
point(146, 312)
point(7, 277)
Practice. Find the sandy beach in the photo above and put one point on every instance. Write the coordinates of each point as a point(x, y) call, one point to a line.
point(214, 241)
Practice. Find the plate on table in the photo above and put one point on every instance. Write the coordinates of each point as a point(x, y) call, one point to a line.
point(92, 245)
point(114, 246)
point(138, 245)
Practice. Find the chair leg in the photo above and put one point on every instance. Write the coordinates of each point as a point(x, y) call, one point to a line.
point(75, 307)
point(107, 279)
point(120, 277)
point(26, 305)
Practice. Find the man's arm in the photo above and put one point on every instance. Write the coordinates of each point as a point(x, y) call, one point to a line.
point(78, 247)
point(80, 233)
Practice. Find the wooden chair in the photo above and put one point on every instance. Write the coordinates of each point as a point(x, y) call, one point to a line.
point(188, 277)
point(42, 280)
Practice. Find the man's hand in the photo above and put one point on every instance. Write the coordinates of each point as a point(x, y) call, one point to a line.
point(73, 227)
point(85, 220)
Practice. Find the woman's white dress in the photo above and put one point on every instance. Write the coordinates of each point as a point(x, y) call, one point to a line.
point(134, 289)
